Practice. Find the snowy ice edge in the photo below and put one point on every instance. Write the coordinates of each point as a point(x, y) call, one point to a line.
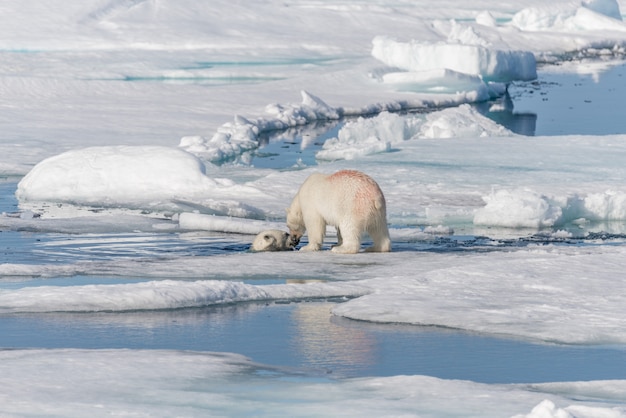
point(235, 138)
point(163, 294)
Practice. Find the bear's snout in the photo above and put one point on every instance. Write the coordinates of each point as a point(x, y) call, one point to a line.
point(294, 239)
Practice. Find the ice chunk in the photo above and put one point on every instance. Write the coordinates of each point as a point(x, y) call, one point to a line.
point(485, 18)
point(518, 209)
point(528, 209)
point(546, 409)
point(607, 206)
point(465, 35)
point(593, 15)
point(197, 221)
point(463, 121)
point(351, 148)
point(489, 64)
point(444, 81)
point(367, 136)
point(438, 230)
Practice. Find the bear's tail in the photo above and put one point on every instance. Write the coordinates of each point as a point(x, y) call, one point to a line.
point(379, 203)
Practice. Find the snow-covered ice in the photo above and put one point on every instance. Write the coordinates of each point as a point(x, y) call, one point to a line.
point(143, 117)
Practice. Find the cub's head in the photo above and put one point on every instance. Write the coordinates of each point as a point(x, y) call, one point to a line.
point(272, 240)
point(295, 225)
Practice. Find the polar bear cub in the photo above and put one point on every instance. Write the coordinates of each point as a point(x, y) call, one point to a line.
point(272, 240)
point(350, 201)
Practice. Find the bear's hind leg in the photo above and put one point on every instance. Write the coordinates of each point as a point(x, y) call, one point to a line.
point(339, 239)
point(349, 241)
point(380, 236)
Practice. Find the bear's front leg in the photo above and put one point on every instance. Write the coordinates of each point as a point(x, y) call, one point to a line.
point(316, 230)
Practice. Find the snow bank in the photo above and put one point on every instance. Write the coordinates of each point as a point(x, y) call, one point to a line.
point(525, 208)
point(132, 177)
point(366, 136)
point(112, 175)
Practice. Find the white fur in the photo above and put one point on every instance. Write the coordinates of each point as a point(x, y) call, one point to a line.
point(272, 240)
point(350, 201)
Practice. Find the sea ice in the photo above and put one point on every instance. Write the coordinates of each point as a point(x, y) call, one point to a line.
point(97, 95)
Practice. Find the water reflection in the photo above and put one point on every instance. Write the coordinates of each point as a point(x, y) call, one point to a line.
point(291, 148)
point(502, 112)
point(575, 98)
point(325, 344)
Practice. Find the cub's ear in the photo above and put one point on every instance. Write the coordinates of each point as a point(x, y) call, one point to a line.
point(266, 237)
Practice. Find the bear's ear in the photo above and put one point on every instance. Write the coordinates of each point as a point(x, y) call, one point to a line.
point(266, 237)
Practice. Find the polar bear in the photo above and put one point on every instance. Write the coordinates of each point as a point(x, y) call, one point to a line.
point(350, 201)
point(272, 240)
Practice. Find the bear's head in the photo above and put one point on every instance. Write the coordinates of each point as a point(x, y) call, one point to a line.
point(295, 225)
point(272, 240)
